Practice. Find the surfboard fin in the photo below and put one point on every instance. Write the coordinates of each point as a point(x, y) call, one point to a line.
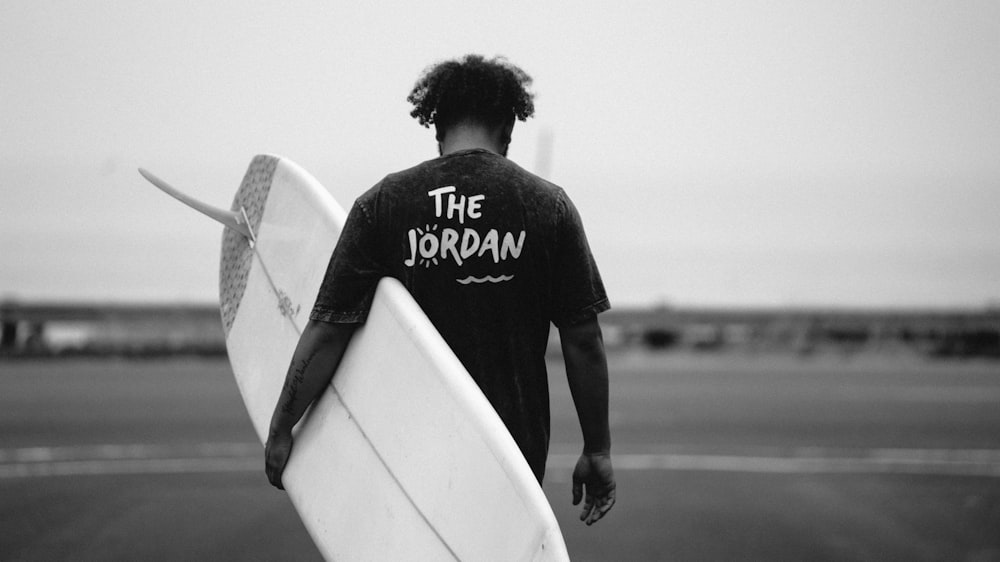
point(230, 219)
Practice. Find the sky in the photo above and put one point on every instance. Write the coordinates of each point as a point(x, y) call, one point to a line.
point(721, 153)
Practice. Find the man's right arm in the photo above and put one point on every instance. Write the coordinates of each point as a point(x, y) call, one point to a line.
point(587, 373)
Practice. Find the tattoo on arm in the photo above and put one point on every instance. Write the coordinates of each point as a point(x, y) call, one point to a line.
point(292, 384)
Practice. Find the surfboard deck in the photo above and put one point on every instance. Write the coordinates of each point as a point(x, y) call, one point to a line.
point(402, 458)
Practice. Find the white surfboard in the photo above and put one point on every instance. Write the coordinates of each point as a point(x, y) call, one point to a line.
point(402, 458)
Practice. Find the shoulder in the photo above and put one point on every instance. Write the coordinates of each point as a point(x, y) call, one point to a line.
point(393, 181)
point(552, 196)
point(399, 181)
point(413, 173)
point(540, 187)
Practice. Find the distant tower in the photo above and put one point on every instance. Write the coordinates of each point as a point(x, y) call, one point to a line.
point(543, 158)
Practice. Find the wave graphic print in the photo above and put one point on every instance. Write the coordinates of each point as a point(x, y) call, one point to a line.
point(487, 279)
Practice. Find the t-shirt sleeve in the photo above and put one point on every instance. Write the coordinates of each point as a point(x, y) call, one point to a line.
point(578, 291)
point(348, 287)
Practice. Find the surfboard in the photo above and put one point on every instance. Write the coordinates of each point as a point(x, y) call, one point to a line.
point(402, 458)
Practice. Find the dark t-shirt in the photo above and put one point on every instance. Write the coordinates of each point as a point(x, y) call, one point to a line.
point(493, 254)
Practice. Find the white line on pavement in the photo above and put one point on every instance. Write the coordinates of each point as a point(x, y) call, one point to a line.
point(94, 460)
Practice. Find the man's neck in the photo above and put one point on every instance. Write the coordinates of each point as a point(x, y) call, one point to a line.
point(466, 137)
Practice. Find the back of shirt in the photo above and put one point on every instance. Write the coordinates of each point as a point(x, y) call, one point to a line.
point(492, 254)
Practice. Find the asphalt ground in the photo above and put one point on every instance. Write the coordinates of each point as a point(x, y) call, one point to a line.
point(718, 457)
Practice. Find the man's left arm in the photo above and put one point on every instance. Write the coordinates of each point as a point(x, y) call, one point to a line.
point(317, 356)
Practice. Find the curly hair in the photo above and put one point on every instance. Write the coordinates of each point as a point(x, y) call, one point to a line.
point(488, 91)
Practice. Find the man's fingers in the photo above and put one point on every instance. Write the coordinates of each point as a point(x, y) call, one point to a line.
point(604, 505)
point(275, 478)
point(274, 475)
point(276, 454)
point(594, 482)
point(588, 506)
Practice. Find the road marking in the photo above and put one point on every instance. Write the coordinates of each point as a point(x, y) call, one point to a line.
point(129, 466)
point(100, 460)
point(127, 451)
point(900, 461)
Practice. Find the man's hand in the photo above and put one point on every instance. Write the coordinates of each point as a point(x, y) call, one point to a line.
point(276, 453)
point(594, 474)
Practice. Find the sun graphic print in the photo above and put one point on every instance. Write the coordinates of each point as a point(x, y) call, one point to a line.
point(428, 246)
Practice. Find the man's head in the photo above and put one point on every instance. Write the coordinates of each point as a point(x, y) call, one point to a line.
point(471, 91)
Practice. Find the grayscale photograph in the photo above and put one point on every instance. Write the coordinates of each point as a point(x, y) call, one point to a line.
point(500, 281)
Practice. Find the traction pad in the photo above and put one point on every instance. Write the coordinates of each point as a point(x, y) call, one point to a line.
point(237, 255)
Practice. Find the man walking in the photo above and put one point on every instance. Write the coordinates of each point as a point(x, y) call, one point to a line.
point(493, 254)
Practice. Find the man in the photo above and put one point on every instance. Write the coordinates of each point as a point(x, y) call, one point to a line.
point(492, 254)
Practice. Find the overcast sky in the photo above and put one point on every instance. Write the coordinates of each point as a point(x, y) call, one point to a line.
point(721, 153)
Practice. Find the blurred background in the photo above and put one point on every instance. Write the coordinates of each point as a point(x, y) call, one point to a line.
point(763, 153)
point(793, 206)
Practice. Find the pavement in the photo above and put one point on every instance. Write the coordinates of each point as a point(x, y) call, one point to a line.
point(718, 457)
